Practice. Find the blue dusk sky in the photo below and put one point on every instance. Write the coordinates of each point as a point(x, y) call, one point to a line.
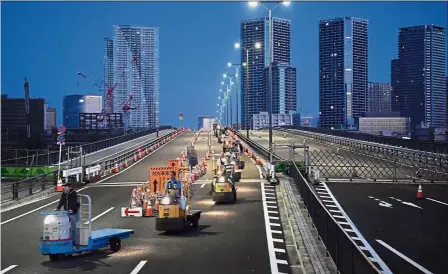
point(49, 42)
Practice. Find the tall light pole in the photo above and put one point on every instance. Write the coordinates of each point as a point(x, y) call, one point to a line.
point(257, 45)
point(230, 77)
point(271, 60)
point(237, 67)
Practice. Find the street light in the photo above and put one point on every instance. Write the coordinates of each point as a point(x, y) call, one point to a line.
point(229, 88)
point(237, 89)
point(253, 4)
point(257, 45)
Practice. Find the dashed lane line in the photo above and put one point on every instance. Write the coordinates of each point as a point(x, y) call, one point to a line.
point(8, 268)
point(139, 267)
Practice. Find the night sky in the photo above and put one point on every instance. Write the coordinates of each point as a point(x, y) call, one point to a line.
point(49, 42)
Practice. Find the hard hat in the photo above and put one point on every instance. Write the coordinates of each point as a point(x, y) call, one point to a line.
point(227, 154)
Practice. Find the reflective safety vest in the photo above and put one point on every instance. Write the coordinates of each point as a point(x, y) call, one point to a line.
point(173, 185)
point(228, 168)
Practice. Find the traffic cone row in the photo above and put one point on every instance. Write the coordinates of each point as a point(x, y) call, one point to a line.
point(115, 169)
point(420, 192)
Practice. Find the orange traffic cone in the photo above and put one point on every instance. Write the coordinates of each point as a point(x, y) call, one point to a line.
point(125, 165)
point(149, 210)
point(420, 192)
point(115, 169)
point(59, 187)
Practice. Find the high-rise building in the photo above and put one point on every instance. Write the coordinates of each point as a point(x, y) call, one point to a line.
point(379, 97)
point(284, 92)
point(108, 67)
point(72, 105)
point(136, 72)
point(422, 70)
point(343, 57)
point(206, 122)
point(394, 82)
point(14, 123)
point(50, 117)
point(92, 104)
point(253, 92)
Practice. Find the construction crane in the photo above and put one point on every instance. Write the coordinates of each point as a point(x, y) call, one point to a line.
point(128, 104)
point(93, 81)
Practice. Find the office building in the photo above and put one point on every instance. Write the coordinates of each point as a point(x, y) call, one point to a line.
point(206, 122)
point(14, 123)
point(394, 82)
point(422, 71)
point(296, 118)
point(50, 117)
point(379, 97)
point(261, 120)
point(135, 71)
point(253, 88)
point(92, 104)
point(284, 94)
point(72, 105)
point(309, 121)
point(343, 57)
point(96, 120)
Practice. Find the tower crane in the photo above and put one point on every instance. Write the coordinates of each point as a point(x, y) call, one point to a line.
point(128, 104)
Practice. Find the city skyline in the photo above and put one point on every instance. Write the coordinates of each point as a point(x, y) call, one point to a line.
point(173, 91)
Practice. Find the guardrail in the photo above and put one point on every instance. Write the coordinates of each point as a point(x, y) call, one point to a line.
point(48, 158)
point(346, 255)
point(89, 173)
point(402, 155)
point(435, 147)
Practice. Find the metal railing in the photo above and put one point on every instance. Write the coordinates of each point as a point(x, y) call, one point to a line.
point(48, 158)
point(373, 149)
point(30, 186)
point(346, 255)
point(435, 147)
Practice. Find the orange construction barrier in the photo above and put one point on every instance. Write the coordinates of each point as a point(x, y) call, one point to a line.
point(115, 169)
point(59, 187)
point(420, 192)
point(158, 177)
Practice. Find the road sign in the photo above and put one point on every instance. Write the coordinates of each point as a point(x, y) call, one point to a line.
point(131, 212)
point(61, 139)
point(61, 129)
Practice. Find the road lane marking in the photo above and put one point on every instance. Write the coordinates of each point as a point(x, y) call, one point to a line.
point(34, 210)
point(385, 269)
point(139, 267)
point(99, 215)
point(280, 250)
point(339, 216)
point(122, 185)
point(273, 212)
point(404, 257)
point(271, 206)
point(274, 218)
point(271, 202)
point(335, 211)
point(100, 181)
point(8, 268)
point(277, 240)
point(434, 200)
point(276, 231)
point(282, 262)
point(202, 186)
point(274, 224)
point(269, 231)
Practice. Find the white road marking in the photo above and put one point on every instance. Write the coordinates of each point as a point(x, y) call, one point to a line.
point(270, 193)
point(274, 218)
point(343, 223)
point(274, 224)
point(34, 210)
point(202, 186)
point(99, 215)
point(335, 211)
point(271, 202)
point(122, 185)
point(282, 262)
point(8, 268)
point(419, 267)
point(331, 206)
point(276, 231)
point(260, 171)
point(272, 258)
point(139, 267)
point(273, 212)
point(339, 216)
point(269, 190)
point(437, 201)
point(280, 250)
point(277, 240)
point(270, 198)
point(271, 206)
point(349, 230)
point(328, 201)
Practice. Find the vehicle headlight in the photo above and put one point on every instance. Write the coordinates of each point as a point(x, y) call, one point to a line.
point(165, 201)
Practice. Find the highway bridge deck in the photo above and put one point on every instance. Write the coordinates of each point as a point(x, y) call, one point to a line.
point(231, 238)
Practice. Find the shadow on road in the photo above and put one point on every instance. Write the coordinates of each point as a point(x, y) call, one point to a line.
point(83, 262)
point(192, 232)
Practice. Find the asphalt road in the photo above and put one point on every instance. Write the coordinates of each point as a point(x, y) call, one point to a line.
point(418, 233)
point(111, 152)
point(231, 238)
point(334, 165)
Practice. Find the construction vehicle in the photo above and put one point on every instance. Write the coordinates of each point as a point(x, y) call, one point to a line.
point(175, 214)
point(223, 189)
point(58, 243)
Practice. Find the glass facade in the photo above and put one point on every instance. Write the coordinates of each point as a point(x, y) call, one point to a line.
point(422, 69)
point(284, 87)
point(379, 97)
point(261, 120)
point(343, 71)
point(381, 125)
point(139, 76)
point(72, 105)
point(253, 88)
point(108, 68)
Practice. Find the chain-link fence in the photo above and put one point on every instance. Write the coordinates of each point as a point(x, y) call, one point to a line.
point(346, 164)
